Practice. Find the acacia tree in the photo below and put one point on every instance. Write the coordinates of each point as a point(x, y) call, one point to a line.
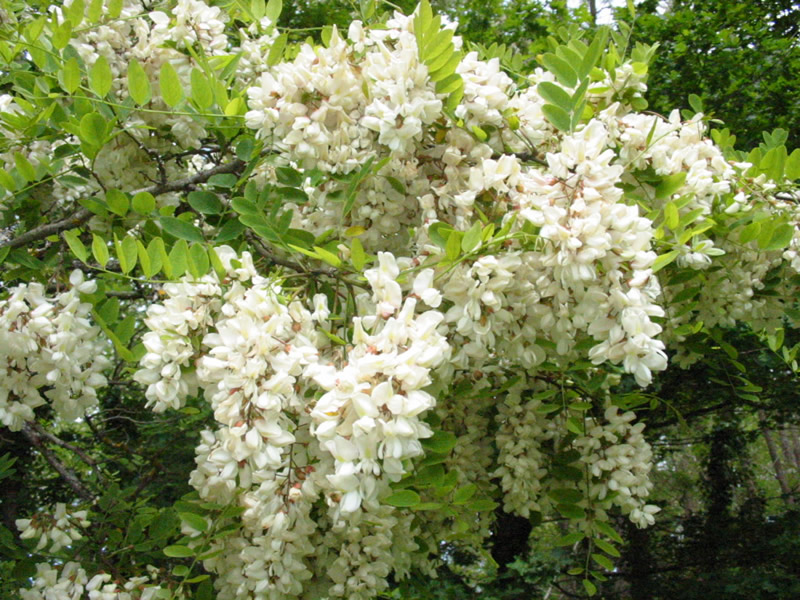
point(388, 292)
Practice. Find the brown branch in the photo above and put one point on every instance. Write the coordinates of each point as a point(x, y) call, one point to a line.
point(79, 217)
point(82, 215)
point(66, 445)
point(66, 473)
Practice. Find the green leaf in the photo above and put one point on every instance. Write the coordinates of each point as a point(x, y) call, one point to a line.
point(180, 571)
point(71, 75)
point(158, 255)
point(179, 258)
point(138, 83)
point(463, 494)
point(128, 254)
point(178, 551)
point(565, 74)
point(454, 99)
point(144, 203)
point(100, 77)
point(479, 133)
point(61, 35)
point(441, 442)
point(117, 202)
point(202, 95)
point(472, 237)
point(570, 539)
point(453, 248)
point(170, 85)
point(357, 255)
point(566, 495)
point(352, 188)
point(194, 521)
point(449, 84)
point(791, 169)
point(608, 531)
point(670, 184)
point(74, 12)
point(114, 8)
point(446, 70)
point(198, 260)
point(276, 51)
point(204, 202)
point(590, 588)
point(76, 245)
point(24, 167)
point(328, 257)
point(570, 511)
point(606, 547)
point(100, 250)
point(557, 116)
point(749, 233)
point(575, 425)
point(664, 259)
point(482, 505)
point(402, 499)
point(144, 260)
point(781, 237)
point(93, 129)
point(229, 231)
point(555, 95)
point(273, 10)
point(603, 561)
point(181, 229)
point(671, 215)
point(95, 11)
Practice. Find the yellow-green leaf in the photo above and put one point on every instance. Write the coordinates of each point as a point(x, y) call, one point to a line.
point(76, 245)
point(170, 85)
point(138, 83)
point(100, 77)
point(71, 75)
point(99, 250)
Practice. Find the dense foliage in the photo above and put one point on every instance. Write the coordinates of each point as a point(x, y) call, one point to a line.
point(288, 318)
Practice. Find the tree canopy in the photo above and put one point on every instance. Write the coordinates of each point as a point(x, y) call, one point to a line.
point(300, 311)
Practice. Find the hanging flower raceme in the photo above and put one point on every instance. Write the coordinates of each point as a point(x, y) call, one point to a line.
point(50, 353)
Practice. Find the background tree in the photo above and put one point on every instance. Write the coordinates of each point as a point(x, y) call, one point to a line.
point(324, 319)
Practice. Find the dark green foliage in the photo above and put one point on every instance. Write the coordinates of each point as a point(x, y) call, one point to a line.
point(741, 58)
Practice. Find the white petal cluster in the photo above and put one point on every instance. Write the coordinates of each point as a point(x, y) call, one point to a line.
point(70, 581)
point(58, 526)
point(619, 460)
point(301, 425)
point(50, 353)
point(369, 417)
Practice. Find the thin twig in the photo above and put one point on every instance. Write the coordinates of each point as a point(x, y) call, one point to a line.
point(66, 473)
point(59, 442)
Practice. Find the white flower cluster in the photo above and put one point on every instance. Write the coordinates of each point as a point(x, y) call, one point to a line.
point(71, 582)
point(49, 353)
point(58, 525)
point(619, 460)
point(614, 453)
point(302, 423)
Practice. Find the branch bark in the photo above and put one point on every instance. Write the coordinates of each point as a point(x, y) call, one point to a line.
point(780, 474)
point(65, 472)
point(82, 215)
point(66, 445)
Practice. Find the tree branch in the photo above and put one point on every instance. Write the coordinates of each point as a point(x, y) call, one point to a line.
point(80, 216)
point(66, 473)
point(76, 219)
point(66, 445)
